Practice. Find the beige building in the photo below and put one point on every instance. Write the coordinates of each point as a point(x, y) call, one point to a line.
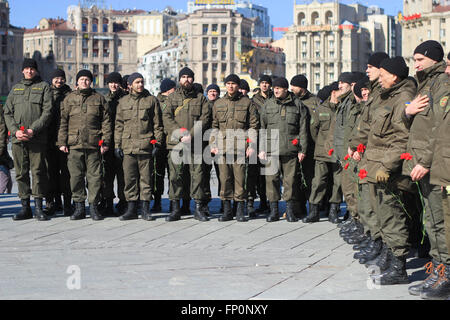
point(11, 51)
point(89, 39)
point(330, 38)
point(424, 20)
point(153, 28)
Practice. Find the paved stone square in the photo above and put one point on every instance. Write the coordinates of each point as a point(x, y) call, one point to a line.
point(186, 260)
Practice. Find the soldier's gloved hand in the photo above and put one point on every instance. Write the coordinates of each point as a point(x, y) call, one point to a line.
point(118, 153)
point(381, 176)
point(155, 150)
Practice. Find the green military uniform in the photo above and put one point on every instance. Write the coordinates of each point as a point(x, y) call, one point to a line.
point(432, 82)
point(29, 105)
point(440, 168)
point(5, 159)
point(360, 135)
point(387, 141)
point(320, 130)
point(257, 181)
point(289, 117)
point(113, 166)
point(184, 108)
point(58, 173)
point(138, 122)
point(84, 125)
point(233, 113)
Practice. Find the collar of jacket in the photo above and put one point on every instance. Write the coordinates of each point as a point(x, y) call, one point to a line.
point(269, 95)
point(288, 99)
point(344, 96)
point(191, 93)
point(374, 85)
point(234, 97)
point(116, 95)
point(86, 92)
point(65, 88)
point(305, 96)
point(29, 82)
point(385, 93)
point(429, 72)
point(137, 96)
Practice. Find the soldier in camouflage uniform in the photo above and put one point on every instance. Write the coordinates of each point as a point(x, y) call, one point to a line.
point(27, 115)
point(85, 134)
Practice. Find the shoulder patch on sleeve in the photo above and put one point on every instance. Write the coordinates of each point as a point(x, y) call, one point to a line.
point(444, 101)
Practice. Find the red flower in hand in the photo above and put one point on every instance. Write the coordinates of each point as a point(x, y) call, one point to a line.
point(100, 143)
point(153, 142)
point(22, 128)
point(361, 148)
point(347, 157)
point(295, 142)
point(183, 130)
point(249, 140)
point(330, 152)
point(346, 166)
point(406, 156)
point(362, 174)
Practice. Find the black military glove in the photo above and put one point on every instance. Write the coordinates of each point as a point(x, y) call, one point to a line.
point(155, 151)
point(118, 153)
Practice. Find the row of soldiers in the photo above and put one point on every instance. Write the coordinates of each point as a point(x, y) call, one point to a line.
point(351, 141)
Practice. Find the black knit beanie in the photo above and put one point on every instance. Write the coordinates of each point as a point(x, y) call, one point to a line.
point(186, 71)
point(58, 73)
point(431, 49)
point(166, 85)
point(376, 59)
point(84, 73)
point(281, 83)
point(233, 78)
point(266, 78)
point(300, 81)
point(361, 83)
point(346, 77)
point(244, 85)
point(397, 66)
point(29, 63)
point(114, 77)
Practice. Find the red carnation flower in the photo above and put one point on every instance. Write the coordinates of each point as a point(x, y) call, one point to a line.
point(330, 152)
point(347, 157)
point(361, 148)
point(346, 166)
point(22, 128)
point(406, 156)
point(100, 143)
point(362, 174)
point(183, 129)
point(153, 142)
point(249, 140)
point(295, 142)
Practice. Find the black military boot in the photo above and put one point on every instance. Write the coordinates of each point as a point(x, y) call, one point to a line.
point(227, 212)
point(382, 261)
point(345, 219)
point(240, 214)
point(274, 214)
point(94, 212)
point(290, 212)
point(441, 289)
point(39, 211)
point(121, 207)
point(432, 270)
point(67, 208)
point(300, 210)
point(363, 244)
point(263, 207)
point(146, 212)
point(80, 211)
point(25, 212)
point(221, 206)
point(157, 204)
point(108, 208)
point(373, 250)
point(199, 213)
point(175, 214)
point(58, 204)
point(333, 215)
point(251, 209)
point(395, 273)
point(131, 213)
point(356, 238)
point(185, 209)
point(314, 214)
point(205, 208)
point(50, 206)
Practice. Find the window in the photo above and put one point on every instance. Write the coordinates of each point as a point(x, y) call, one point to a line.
point(224, 42)
point(205, 29)
point(331, 76)
point(331, 54)
point(331, 44)
point(84, 24)
point(205, 55)
point(224, 67)
point(214, 43)
point(214, 28)
point(442, 33)
point(85, 53)
point(317, 54)
point(214, 54)
point(95, 25)
point(119, 43)
point(304, 55)
point(205, 67)
point(69, 41)
point(317, 76)
point(69, 54)
point(205, 42)
point(303, 45)
point(105, 25)
point(120, 55)
point(214, 66)
point(224, 55)
point(85, 43)
point(224, 28)
point(317, 87)
point(85, 66)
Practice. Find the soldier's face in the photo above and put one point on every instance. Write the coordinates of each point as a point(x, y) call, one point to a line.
point(421, 62)
point(186, 81)
point(298, 91)
point(29, 73)
point(386, 79)
point(232, 88)
point(113, 86)
point(265, 86)
point(58, 82)
point(138, 85)
point(280, 93)
point(243, 91)
point(372, 72)
point(84, 83)
point(213, 95)
point(447, 70)
point(344, 87)
point(365, 94)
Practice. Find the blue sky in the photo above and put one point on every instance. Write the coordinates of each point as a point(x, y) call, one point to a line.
point(27, 13)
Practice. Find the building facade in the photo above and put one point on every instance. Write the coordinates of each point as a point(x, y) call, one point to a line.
point(11, 51)
point(162, 62)
point(424, 20)
point(217, 40)
point(330, 38)
point(261, 27)
point(89, 39)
